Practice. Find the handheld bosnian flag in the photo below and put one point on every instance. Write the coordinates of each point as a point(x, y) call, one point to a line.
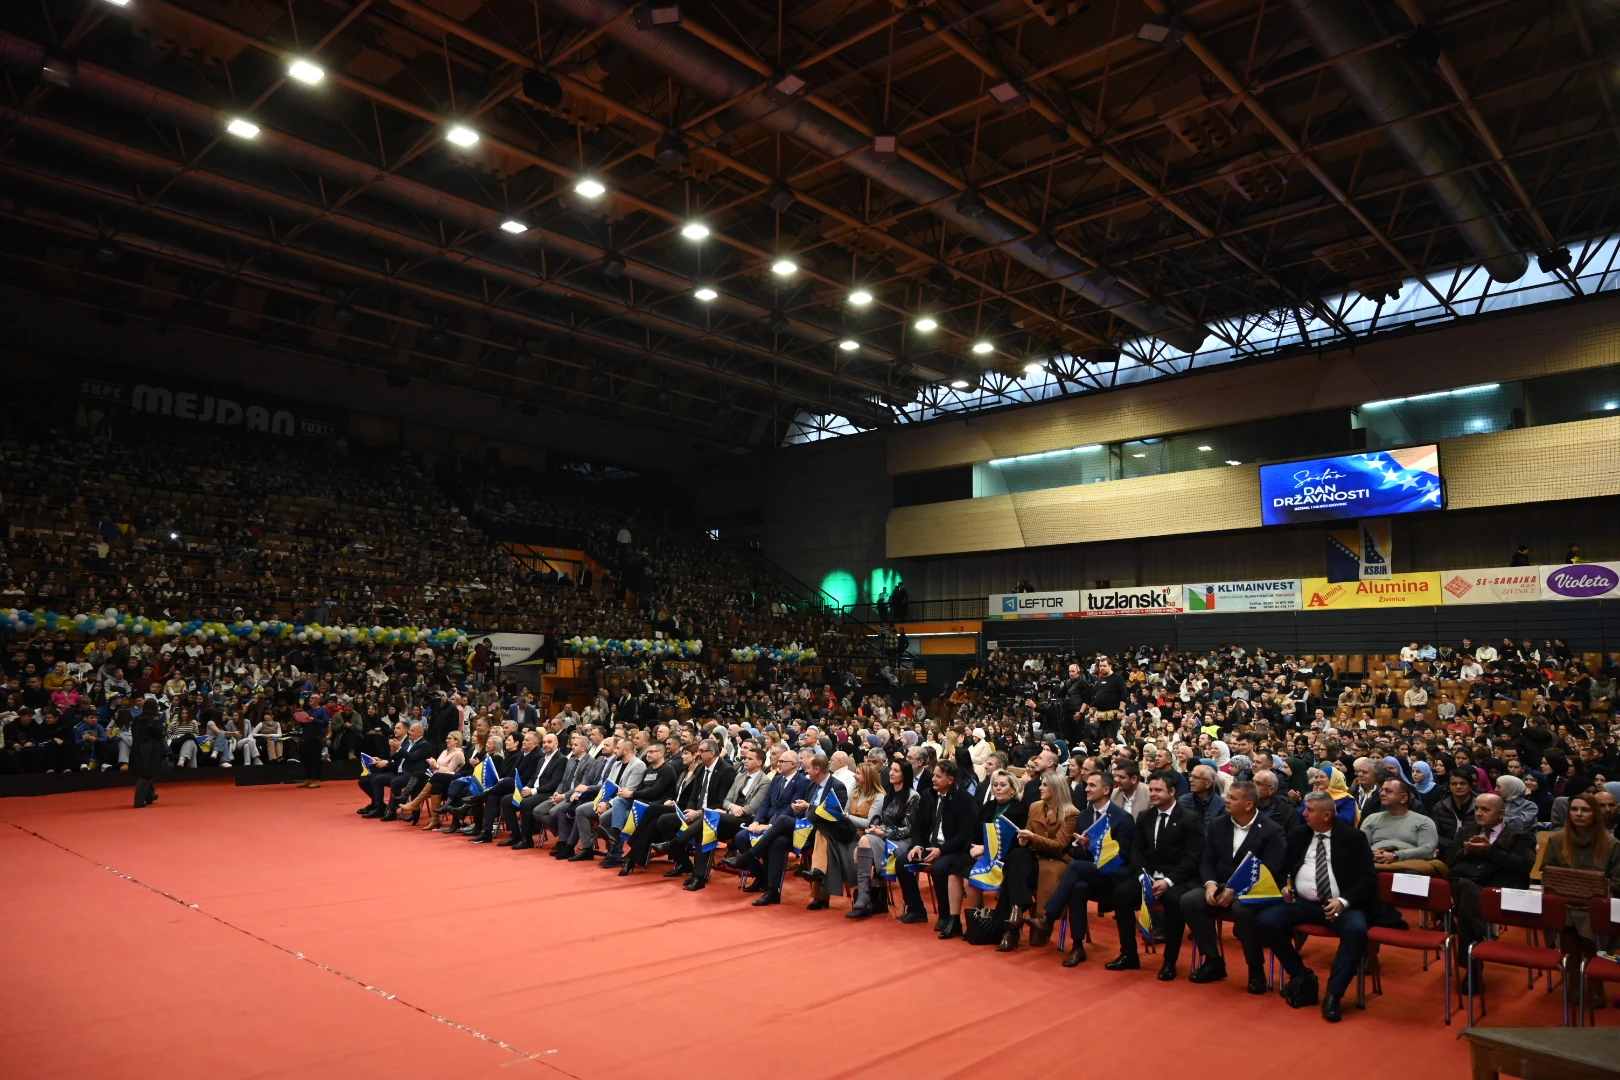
point(608, 791)
point(830, 810)
point(999, 835)
point(638, 811)
point(891, 861)
point(801, 833)
point(484, 777)
point(1144, 911)
point(1104, 848)
point(367, 761)
point(710, 836)
point(517, 788)
point(1253, 883)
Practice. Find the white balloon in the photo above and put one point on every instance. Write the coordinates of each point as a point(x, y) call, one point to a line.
point(111, 613)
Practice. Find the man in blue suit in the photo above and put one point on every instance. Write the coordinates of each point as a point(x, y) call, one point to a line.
point(772, 830)
point(1084, 878)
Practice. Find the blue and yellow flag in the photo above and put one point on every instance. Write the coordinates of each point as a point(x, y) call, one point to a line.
point(1253, 883)
point(517, 789)
point(1144, 910)
point(638, 811)
point(801, 833)
point(1103, 847)
point(608, 790)
point(891, 860)
point(830, 809)
point(999, 836)
point(710, 836)
point(484, 777)
point(367, 761)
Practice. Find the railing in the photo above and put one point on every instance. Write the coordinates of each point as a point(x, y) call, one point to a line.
point(956, 609)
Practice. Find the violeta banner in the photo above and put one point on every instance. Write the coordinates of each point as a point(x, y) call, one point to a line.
point(1222, 596)
point(1052, 605)
point(1580, 581)
point(1399, 590)
point(1497, 585)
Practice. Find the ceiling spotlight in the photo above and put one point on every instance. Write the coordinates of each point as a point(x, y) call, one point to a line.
point(1610, 406)
point(243, 129)
point(514, 226)
point(462, 135)
point(959, 384)
point(694, 230)
point(589, 188)
point(1034, 367)
point(1206, 449)
point(305, 72)
point(1229, 461)
point(784, 267)
point(1138, 455)
point(705, 293)
point(982, 347)
point(860, 298)
point(849, 345)
point(926, 324)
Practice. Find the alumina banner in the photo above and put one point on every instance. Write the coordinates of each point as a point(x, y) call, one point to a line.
point(1399, 590)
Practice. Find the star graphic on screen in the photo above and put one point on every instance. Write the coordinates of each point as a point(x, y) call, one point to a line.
point(1391, 475)
point(1408, 481)
point(1431, 494)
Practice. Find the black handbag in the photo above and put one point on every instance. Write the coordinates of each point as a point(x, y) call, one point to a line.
point(983, 926)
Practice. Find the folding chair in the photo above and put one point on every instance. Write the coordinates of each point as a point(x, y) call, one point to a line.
point(1601, 910)
point(1530, 956)
point(1436, 900)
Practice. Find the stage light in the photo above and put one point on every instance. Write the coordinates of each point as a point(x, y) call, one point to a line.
point(173, 535)
point(1139, 455)
point(982, 347)
point(462, 135)
point(1610, 405)
point(243, 129)
point(305, 72)
point(1206, 449)
point(1034, 367)
point(694, 230)
point(849, 345)
point(1229, 461)
point(925, 324)
point(514, 226)
point(705, 293)
point(959, 384)
point(589, 188)
point(784, 267)
point(860, 298)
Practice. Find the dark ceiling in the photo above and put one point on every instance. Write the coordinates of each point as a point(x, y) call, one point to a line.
point(1043, 178)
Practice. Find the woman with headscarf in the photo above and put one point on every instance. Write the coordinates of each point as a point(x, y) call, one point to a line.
point(1518, 811)
point(1423, 783)
point(1330, 778)
point(1584, 844)
point(1241, 767)
point(1535, 782)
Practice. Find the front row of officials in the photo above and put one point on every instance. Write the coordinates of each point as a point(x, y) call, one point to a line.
point(935, 825)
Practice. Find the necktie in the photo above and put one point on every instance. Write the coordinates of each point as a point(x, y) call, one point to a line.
point(1158, 830)
point(1324, 880)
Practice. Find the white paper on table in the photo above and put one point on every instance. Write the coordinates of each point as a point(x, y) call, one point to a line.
point(1409, 884)
point(1521, 900)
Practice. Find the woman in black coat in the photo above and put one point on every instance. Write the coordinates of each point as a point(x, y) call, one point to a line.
point(149, 750)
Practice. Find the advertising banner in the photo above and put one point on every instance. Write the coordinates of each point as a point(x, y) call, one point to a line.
point(1353, 486)
point(1034, 605)
point(1580, 581)
point(1133, 600)
point(1399, 590)
point(1499, 585)
point(516, 650)
point(206, 403)
point(1224, 596)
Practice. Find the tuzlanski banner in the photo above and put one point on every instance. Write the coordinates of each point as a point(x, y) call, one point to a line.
point(1223, 596)
point(1494, 585)
point(1132, 600)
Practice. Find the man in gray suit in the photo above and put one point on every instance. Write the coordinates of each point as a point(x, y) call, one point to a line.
point(737, 810)
point(625, 772)
point(544, 817)
point(583, 791)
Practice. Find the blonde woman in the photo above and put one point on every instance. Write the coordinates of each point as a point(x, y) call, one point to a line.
point(836, 859)
point(1005, 802)
point(1032, 870)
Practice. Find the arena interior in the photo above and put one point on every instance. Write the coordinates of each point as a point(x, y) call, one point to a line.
point(1056, 535)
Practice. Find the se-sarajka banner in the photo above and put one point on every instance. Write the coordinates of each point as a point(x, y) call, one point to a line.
point(1400, 590)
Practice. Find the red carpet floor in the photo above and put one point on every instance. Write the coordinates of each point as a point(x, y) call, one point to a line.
point(269, 932)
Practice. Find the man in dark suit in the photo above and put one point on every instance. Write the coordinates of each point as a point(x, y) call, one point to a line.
point(840, 830)
point(656, 784)
point(1168, 846)
point(1084, 879)
point(739, 807)
point(408, 771)
point(1335, 884)
point(1228, 838)
point(772, 830)
point(941, 839)
point(571, 772)
point(1484, 854)
point(523, 773)
point(706, 791)
point(520, 818)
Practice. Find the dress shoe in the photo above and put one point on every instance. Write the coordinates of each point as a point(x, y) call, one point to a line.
point(1167, 973)
point(737, 861)
point(913, 917)
point(953, 928)
point(612, 862)
point(482, 838)
point(1076, 954)
point(676, 871)
point(363, 811)
point(1208, 972)
point(510, 841)
point(523, 845)
point(814, 875)
point(582, 856)
point(562, 851)
point(694, 885)
point(755, 886)
point(1330, 1008)
point(1257, 983)
point(1123, 962)
point(371, 812)
point(663, 847)
point(767, 899)
point(389, 815)
point(1301, 990)
point(818, 904)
